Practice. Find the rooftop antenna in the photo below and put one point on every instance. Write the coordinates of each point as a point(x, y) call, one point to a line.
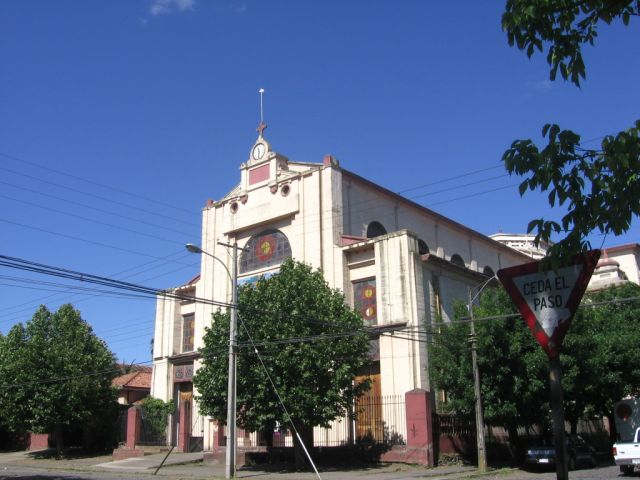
point(261, 92)
point(262, 125)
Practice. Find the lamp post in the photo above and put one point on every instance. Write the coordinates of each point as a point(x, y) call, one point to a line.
point(482, 453)
point(230, 464)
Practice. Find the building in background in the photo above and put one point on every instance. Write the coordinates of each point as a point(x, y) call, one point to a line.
point(523, 242)
point(617, 265)
point(133, 386)
point(399, 264)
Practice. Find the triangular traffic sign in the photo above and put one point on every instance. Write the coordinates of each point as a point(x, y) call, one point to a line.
point(547, 300)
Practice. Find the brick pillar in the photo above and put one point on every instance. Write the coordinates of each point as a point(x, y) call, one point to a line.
point(184, 432)
point(218, 435)
point(133, 427)
point(419, 427)
point(38, 441)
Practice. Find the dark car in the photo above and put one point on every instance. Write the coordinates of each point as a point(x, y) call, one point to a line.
point(542, 453)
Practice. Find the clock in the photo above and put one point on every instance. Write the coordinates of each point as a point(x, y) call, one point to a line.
point(258, 151)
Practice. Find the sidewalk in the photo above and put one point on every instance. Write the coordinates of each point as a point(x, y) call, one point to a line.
point(190, 466)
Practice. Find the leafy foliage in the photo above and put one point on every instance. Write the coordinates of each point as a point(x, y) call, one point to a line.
point(56, 374)
point(599, 364)
point(599, 187)
point(156, 412)
point(511, 365)
point(564, 24)
point(314, 377)
point(599, 358)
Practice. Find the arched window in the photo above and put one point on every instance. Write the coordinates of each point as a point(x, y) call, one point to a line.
point(488, 271)
point(457, 260)
point(375, 229)
point(423, 248)
point(268, 248)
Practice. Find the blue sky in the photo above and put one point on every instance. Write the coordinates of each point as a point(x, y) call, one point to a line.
point(134, 112)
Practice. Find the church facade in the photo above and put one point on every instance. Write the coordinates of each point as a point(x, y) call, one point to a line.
point(399, 264)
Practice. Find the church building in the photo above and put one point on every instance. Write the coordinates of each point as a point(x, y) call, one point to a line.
point(401, 265)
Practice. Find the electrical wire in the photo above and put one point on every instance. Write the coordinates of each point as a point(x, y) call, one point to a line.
point(93, 208)
point(84, 240)
point(93, 195)
point(93, 182)
point(92, 220)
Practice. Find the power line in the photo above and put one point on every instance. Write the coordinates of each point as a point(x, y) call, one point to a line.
point(448, 179)
point(66, 378)
point(93, 208)
point(496, 177)
point(92, 220)
point(79, 239)
point(323, 337)
point(93, 195)
point(164, 259)
point(476, 194)
point(93, 182)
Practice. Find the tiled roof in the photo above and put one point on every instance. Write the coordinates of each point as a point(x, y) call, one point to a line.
point(133, 380)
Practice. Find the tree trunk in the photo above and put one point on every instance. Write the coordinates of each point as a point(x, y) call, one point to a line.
point(57, 433)
point(514, 441)
point(306, 433)
point(613, 434)
point(574, 426)
point(267, 435)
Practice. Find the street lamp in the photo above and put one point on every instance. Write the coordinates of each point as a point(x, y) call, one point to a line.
point(230, 465)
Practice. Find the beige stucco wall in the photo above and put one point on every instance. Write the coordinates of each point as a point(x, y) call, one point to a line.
point(324, 203)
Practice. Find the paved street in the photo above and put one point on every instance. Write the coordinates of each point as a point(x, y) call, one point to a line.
point(188, 467)
point(602, 473)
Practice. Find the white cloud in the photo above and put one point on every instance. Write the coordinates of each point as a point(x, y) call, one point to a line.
point(162, 7)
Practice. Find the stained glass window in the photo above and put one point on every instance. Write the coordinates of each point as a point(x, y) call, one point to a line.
point(188, 331)
point(364, 295)
point(268, 248)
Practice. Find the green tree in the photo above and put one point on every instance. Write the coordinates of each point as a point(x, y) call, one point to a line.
point(510, 362)
point(599, 365)
point(600, 187)
point(56, 374)
point(599, 355)
point(312, 346)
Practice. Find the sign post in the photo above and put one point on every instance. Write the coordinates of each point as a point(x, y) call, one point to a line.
point(547, 301)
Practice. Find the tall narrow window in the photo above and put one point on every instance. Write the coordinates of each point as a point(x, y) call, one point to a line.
point(437, 304)
point(364, 296)
point(188, 332)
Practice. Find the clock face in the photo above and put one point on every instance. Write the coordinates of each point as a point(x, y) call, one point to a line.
point(258, 151)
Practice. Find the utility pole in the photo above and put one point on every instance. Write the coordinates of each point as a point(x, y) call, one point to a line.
point(557, 406)
point(230, 464)
point(482, 455)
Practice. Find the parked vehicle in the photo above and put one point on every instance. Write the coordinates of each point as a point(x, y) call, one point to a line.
point(627, 454)
point(543, 453)
point(626, 451)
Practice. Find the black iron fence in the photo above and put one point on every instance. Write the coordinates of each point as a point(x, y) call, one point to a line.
point(452, 425)
point(151, 431)
point(121, 435)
